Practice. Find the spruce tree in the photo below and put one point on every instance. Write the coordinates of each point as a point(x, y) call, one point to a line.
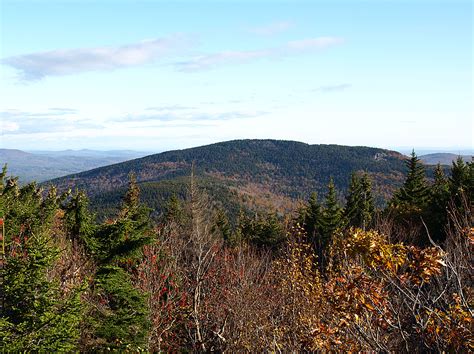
point(223, 226)
point(79, 221)
point(329, 222)
point(37, 316)
point(461, 182)
point(308, 218)
point(264, 231)
point(439, 199)
point(413, 196)
point(360, 207)
point(121, 322)
point(174, 211)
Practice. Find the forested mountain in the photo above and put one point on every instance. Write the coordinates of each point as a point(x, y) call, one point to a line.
point(257, 173)
point(43, 165)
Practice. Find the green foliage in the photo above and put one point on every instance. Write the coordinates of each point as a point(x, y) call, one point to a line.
point(37, 317)
point(262, 231)
point(359, 210)
point(437, 214)
point(121, 321)
point(173, 210)
point(79, 221)
point(461, 182)
point(331, 218)
point(223, 225)
point(38, 314)
point(414, 194)
point(309, 218)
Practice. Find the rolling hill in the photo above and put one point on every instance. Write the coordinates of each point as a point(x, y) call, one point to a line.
point(44, 165)
point(255, 173)
point(443, 158)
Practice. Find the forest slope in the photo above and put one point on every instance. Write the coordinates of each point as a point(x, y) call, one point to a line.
point(258, 172)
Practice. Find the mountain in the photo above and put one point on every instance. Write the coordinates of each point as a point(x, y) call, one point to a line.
point(253, 173)
point(125, 154)
point(45, 165)
point(443, 158)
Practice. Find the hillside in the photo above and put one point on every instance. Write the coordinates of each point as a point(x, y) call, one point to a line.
point(257, 173)
point(44, 165)
point(443, 158)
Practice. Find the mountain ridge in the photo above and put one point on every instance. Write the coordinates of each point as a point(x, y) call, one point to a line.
point(255, 171)
point(45, 165)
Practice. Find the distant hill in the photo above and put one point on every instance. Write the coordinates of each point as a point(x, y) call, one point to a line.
point(125, 154)
point(254, 173)
point(442, 158)
point(45, 165)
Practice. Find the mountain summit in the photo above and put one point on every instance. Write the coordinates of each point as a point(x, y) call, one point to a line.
point(273, 172)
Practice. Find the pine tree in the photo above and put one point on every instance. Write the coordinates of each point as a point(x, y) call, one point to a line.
point(413, 196)
point(309, 217)
point(79, 221)
point(173, 210)
point(329, 222)
point(264, 231)
point(37, 315)
point(360, 207)
point(437, 210)
point(461, 182)
point(223, 226)
point(122, 320)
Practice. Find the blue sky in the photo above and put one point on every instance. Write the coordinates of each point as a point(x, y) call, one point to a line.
point(159, 75)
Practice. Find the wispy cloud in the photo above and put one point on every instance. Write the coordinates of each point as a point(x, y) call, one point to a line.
point(213, 60)
point(317, 43)
point(52, 120)
point(271, 28)
point(58, 120)
point(179, 115)
point(50, 112)
point(8, 127)
point(169, 108)
point(332, 88)
point(36, 66)
point(226, 57)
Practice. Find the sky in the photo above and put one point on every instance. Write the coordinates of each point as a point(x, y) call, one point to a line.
point(161, 75)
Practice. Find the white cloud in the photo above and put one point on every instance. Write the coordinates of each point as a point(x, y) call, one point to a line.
point(314, 43)
point(210, 61)
point(226, 57)
point(8, 126)
point(17, 122)
point(271, 29)
point(333, 88)
point(36, 66)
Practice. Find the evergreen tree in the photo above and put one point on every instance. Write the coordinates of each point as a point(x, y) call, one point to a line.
point(360, 207)
point(461, 182)
point(309, 217)
point(413, 196)
point(264, 231)
point(36, 314)
point(439, 199)
point(223, 225)
point(329, 222)
point(122, 320)
point(173, 210)
point(79, 221)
